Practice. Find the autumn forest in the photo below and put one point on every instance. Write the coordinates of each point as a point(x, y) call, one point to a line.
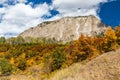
point(18, 54)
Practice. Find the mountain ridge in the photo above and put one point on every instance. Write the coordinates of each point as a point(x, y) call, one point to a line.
point(66, 29)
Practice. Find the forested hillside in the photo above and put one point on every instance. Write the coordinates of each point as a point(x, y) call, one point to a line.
point(18, 54)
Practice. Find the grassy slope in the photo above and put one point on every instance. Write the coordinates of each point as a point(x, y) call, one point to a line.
point(104, 67)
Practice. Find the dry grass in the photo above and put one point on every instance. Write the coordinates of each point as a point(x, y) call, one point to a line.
point(68, 72)
point(104, 67)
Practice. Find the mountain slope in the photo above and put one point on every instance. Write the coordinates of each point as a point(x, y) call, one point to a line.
point(66, 29)
point(104, 67)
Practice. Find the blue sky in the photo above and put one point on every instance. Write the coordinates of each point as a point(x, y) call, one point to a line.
point(110, 13)
point(19, 15)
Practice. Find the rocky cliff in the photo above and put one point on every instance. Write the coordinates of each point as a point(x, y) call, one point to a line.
point(66, 29)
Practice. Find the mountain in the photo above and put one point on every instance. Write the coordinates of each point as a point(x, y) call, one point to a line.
point(66, 29)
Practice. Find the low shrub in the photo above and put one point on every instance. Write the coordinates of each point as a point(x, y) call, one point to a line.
point(5, 67)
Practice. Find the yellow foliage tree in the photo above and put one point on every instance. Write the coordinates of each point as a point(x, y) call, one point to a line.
point(110, 39)
point(118, 34)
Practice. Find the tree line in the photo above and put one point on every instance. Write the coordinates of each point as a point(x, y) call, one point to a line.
point(21, 53)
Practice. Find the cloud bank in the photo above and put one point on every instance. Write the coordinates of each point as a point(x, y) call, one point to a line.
point(80, 7)
point(16, 18)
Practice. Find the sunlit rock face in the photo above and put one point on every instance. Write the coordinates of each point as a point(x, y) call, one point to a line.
point(66, 29)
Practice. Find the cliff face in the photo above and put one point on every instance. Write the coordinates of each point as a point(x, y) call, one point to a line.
point(66, 29)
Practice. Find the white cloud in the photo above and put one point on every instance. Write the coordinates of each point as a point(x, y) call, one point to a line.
point(76, 3)
point(2, 1)
point(77, 7)
point(14, 1)
point(21, 1)
point(19, 17)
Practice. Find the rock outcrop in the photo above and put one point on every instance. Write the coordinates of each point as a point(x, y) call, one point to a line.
point(66, 29)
